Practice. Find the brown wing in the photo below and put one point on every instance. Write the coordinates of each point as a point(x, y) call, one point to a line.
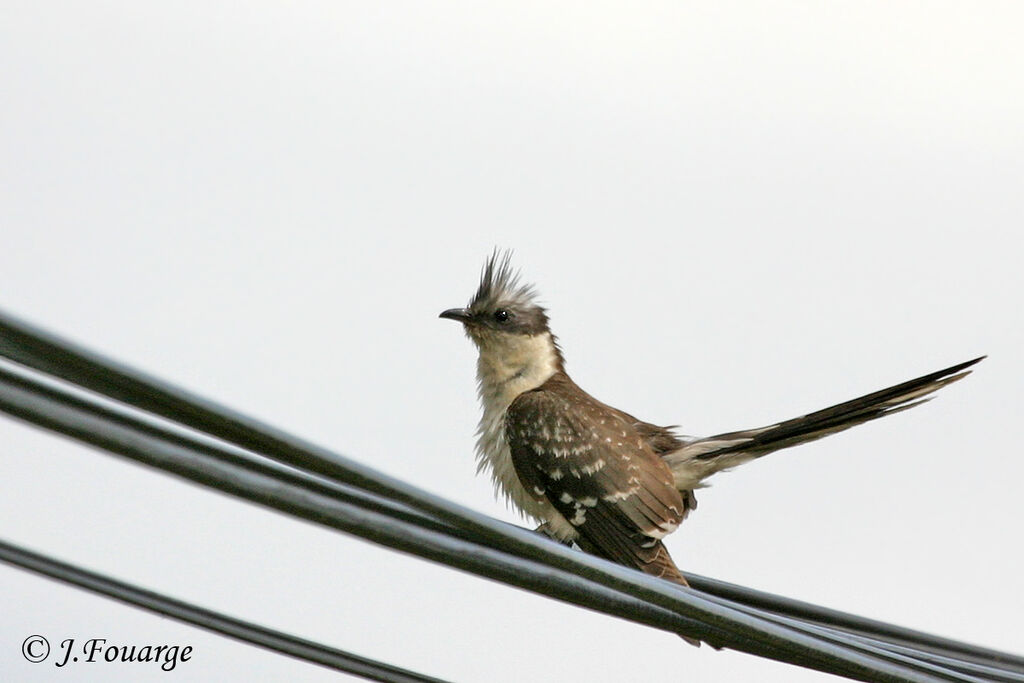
point(598, 471)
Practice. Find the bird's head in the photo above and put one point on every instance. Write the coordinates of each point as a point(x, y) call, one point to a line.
point(505, 321)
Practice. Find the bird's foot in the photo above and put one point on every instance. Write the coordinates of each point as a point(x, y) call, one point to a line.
point(545, 530)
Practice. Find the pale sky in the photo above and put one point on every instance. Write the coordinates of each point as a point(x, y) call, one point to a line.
point(736, 213)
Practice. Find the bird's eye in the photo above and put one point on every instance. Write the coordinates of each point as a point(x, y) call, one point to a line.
point(501, 315)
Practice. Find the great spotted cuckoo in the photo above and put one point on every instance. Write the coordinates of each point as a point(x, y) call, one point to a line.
point(595, 475)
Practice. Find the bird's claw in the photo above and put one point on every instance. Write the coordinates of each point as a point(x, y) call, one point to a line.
point(545, 530)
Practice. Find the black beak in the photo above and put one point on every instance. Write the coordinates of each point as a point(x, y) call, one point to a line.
point(460, 314)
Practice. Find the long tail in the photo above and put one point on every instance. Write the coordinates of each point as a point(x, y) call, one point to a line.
point(700, 458)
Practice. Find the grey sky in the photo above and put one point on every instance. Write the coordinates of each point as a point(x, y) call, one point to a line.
point(736, 213)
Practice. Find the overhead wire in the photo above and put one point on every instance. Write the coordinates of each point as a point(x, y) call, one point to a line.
point(723, 614)
point(210, 620)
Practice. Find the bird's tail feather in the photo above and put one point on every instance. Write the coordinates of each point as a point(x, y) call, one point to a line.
point(700, 458)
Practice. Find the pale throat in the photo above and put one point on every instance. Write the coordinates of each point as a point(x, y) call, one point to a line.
point(510, 364)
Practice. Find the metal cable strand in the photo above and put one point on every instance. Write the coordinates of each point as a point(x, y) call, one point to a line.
point(364, 488)
point(209, 620)
point(688, 613)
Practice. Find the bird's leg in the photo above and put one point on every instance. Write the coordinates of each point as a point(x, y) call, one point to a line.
point(545, 530)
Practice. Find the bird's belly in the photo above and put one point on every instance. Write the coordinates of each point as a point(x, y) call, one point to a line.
point(494, 455)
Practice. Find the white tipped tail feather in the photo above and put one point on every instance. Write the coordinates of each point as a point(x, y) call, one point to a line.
point(698, 459)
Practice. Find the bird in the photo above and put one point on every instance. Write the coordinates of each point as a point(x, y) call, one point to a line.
point(596, 476)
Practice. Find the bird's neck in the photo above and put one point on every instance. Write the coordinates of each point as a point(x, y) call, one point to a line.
point(510, 365)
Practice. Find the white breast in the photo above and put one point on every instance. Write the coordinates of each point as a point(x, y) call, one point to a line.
point(520, 364)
